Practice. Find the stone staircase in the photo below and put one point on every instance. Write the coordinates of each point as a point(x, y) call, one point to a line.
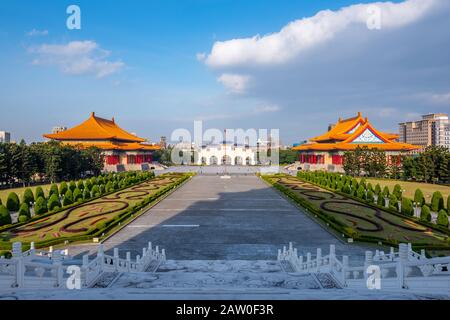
point(217, 276)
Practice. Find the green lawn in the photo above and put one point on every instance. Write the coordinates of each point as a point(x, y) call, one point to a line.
point(410, 187)
point(364, 219)
point(79, 220)
point(4, 192)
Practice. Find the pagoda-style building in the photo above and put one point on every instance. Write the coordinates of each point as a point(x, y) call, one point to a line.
point(121, 149)
point(326, 152)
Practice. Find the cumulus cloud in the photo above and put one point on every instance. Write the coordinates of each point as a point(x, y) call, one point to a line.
point(332, 64)
point(235, 83)
point(35, 33)
point(77, 58)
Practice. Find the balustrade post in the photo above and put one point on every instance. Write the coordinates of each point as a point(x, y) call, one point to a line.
point(101, 256)
point(318, 259)
point(422, 254)
point(367, 262)
point(128, 257)
point(116, 259)
point(32, 249)
point(308, 261)
point(332, 255)
point(20, 267)
point(57, 261)
point(392, 253)
point(84, 271)
point(279, 255)
point(403, 257)
point(345, 266)
point(150, 249)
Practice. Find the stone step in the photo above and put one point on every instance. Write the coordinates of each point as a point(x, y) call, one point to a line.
point(220, 266)
point(216, 281)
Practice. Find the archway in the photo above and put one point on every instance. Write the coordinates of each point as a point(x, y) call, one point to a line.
point(238, 161)
point(213, 160)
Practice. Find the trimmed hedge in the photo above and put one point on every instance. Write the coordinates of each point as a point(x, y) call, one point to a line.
point(5, 217)
point(437, 202)
point(13, 202)
point(40, 207)
point(28, 196)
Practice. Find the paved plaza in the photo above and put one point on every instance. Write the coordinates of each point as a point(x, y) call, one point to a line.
point(210, 218)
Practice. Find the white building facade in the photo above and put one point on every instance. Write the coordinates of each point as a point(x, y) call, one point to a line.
point(229, 154)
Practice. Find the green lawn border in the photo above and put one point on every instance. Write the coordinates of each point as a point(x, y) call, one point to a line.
point(109, 224)
point(335, 225)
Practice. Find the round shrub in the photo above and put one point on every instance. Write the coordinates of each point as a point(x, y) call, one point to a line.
point(80, 185)
point(442, 218)
point(5, 217)
point(53, 203)
point(39, 193)
point(63, 188)
point(448, 204)
point(86, 194)
point(68, 198)
point(370, 196)
point(418, 197)
point(53, 190)
point(72, 185)
point(377, 189)
point(425, 214)
point(407, 207)
point(12, 202)
point(28, 196)
point(24, 210)
point(77, 195)
point(22, 218)
point(437, 201)
point(40, 206)
point(397, 191)
point(95, 191)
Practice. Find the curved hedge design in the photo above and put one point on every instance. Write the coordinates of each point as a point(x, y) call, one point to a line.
point(356, 219)
point(89, 217)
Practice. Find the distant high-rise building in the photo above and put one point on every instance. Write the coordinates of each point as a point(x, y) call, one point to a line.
point(431, 130)
point(58, 129)
point(163, 142)
point(5, 137)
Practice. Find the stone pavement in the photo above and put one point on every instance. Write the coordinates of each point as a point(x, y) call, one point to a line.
point(210, 218)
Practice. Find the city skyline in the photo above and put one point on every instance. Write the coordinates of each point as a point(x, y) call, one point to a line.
point(166, 64)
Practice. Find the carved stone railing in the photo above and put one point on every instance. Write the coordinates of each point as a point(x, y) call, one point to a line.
point(45, 269)
point(404, 269)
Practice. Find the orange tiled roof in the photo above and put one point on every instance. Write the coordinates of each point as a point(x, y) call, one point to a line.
point(124, 146)
point(344, 134)
point(95, 128)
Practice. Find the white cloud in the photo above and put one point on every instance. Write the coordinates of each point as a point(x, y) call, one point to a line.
point(235, 83)
point(36, 33)
point(304, 34)
point(266, 109)
point(331, 64)
point(441, 98)
point(77, 58)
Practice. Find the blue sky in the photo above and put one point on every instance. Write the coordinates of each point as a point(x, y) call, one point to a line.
point(153, 65)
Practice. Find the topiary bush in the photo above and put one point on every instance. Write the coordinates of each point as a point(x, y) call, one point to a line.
point(361, 192)
point(393, 201)
point(407, 207)
point(377, 189)
point(68, 198)
point(386, 191)
point(370, 196)
point(346, 189)
point(80, 185)
point(448, 204)
point(77, 195)
point(24, 210)
point(442, 218)
point(63, 188)
point(40, 206)
point(39, 192)
point(95, 191)
point(53, 203)
point(397, 191)
point(86, 194)
point(28, 196)
point(425, 214)
point(437, 201)
point(72, 185)
point(12, 202)
point(418, 197)
point(5, 217)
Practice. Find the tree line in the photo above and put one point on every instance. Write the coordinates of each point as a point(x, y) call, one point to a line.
point(432, 165)
point(46, 162)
